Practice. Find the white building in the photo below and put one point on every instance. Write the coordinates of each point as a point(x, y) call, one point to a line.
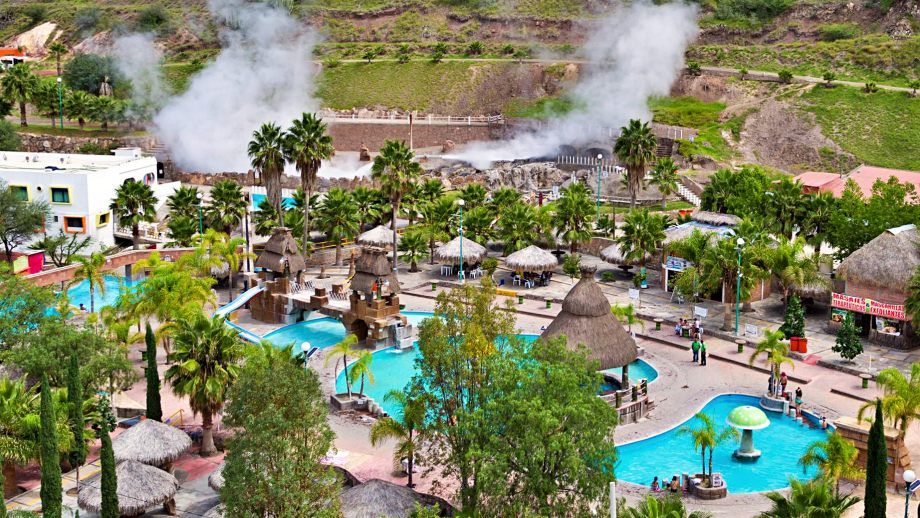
point(80, 188)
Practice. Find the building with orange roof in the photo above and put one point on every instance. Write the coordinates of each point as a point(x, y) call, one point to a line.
point(864, 176)
point(10, 56)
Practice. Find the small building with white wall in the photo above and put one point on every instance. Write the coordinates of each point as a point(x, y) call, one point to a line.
point(79, 188)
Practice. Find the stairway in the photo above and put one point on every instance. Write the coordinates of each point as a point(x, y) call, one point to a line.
point(686, 194)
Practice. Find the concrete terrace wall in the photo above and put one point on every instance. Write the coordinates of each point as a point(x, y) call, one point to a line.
point(34, 142)
point(351, 136)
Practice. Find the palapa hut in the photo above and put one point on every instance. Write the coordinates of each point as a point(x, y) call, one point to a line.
point(373, 267)
point(876, 278)
point(717, 219)
point(531, 259)
point(216, 478)
point(381, 499)
point(280, 259)
point(151, 442)
point(449, 252)
point(281, 255)
point(373, 313)
point(380, 236)
point(140, 487)
point(586, 320)
point(614, 254)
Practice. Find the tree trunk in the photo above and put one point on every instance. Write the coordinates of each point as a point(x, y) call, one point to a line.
point(703, 460)
point(345, 368)
point(22, 114)
point(413, 267)
point(728, 320)
point(395, 256)
point(92, 302)
point(136, 235)
point(431, 251)
point(230, 285)
point(411, 462)
point(81, 121)
point(9, 479)
point(573, 247)
point(338, 254)
point(207, 435)
point(664, 202)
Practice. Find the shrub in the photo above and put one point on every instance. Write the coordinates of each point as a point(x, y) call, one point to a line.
point(152, 18)
point(848, 345)
point(520, 54)
point(838, 31)
point(785, 76)
point(91, 148)
point(35, 13)
point(694, 68)
point(87, 19)
point(369, 55)
point(87, 71)
point(571, 265)
point(742, 73)
point(567, 49)
point(402, 58)
point(9, 139)
point(490, 264)
point(475, 48)
point(607, 276)
point(870, 88)
point(331, 62)
point(508, 49)
point(437, 57)
point(794, 320)
point(746, 9)
point(440, 47)
point(829, 78)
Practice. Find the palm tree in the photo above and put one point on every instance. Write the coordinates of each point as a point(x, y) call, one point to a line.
point(338, 217)
point(821, 207)
point(44, 99)
point(78, 106)
point(717, 269)
point(815, 498)
point(431, 190)
point(227, 206)
point(474, 195)
point(786, 206)
point(361, 369)
point(57, 50)
point(266, 154)
point(901, 399)
point(635, 147)
point(183, 202)
point(306, 145)
point(90, 269)
point(414, 247)
point(573, 215)
point(105, 110)
point(792, 268)
point(408, 431)
point(642, 233)
point(341, 351)
point(230, 251)
point(368, 203)
point(503, 198)
point(519, 227)
point(664, 175)
point(436, 227)
point(412, 203)
point(776, 352)
point(134, 203)
point(626, 314)
point(653, 506)
point(835, 457)
point(706, 437)
point(478, 225)
point(396, 171)
point(17, 85)
point(206, 362)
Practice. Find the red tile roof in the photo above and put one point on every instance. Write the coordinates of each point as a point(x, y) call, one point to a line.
point(817, 180)
point(865, 177)
point(11, 52)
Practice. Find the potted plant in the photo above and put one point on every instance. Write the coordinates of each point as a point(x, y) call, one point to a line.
point(793, 327)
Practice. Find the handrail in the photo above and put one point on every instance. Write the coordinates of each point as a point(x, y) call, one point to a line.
point(181, 414)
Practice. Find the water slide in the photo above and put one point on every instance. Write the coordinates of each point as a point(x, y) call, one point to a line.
point(238, 302)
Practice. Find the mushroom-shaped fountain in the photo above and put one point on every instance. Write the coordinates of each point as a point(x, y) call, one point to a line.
point(747, 419)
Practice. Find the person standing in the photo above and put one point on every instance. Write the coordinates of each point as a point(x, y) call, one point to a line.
point(783, 381)
point(702, 352)
point(695, 346)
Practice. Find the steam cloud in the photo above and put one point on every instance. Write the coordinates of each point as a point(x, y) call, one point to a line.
point(138, 58)
point(635, 53)
point(263, 73)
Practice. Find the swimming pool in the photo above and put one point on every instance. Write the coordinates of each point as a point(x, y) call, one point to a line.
point(257, 200)
point(79, 293)
point(320, 332)
point(638, 370)
point(668, 454)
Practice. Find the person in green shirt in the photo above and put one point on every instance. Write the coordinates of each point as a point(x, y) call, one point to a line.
point(695, 346)
point(702, 352)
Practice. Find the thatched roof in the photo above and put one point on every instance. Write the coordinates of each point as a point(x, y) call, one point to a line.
point(216, 478)
point(813, 290)
point(378, 236)
point(380, 499)
point(676, 233)
point(140, 487)
point(718, 219)
point(281, 248)
point(371, 266)
point(473, 252)
point(586, 320)
point(614, 254)
point(530, 259)
point(151, 442)
point(886, 262)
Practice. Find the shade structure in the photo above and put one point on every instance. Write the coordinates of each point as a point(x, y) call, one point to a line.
point(747, 417)
point(531, 259)
point(216, 478)
point(372, 266)
point(586, 320)
point(140, 487)
point(281, 252)
point(718, 219)
point(812, 290)
point(614, 254)
point(381, 499)
point(449, 252)
point(887, 262)
point(151, 442)
point(378, 236)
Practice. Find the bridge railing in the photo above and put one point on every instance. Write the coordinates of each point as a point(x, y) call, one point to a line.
point(469, 120)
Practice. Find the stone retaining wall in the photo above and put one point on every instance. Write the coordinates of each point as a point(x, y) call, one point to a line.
point(35, 142)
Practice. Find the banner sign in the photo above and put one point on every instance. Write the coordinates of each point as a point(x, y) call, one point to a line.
point(751, 330)
point(872, 307)
point(700, 312)
point(633, 293)
point(676, 264)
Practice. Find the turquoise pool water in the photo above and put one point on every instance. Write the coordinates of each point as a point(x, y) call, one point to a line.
point(257, 199)
point(668, 454)
point(638, 369)
point(320, 332)
point(79, 293)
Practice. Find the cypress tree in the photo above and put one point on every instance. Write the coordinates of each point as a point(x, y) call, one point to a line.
point(794, 319)
point(154, 410)
point(876, 467)
point(77, 454)
point(109, 488)
point(51, 460)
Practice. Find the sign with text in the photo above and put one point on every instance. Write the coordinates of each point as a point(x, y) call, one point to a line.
point(751, 330)
point(676, 264)
point(872, 307)
point(633, 293)
point(700, 312)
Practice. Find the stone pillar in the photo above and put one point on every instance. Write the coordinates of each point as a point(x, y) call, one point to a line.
point(128, 277)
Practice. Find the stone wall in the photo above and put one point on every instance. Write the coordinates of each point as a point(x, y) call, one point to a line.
point(351, 136)
point(35, 142)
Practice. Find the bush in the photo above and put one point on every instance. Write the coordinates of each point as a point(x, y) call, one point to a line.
point(608, 276)
point(152, 18)
point(742, 73)
point(848, 345)
point(331, 62)
point(87, 19)
point(490, 264)
point(9, 139)
point(829, 78)
point(571, 265)
point(87, 71)
point(870, 88)
point(402, 58)
point(838, 31)
point(91, 148)
point(794, 320)
point(35, 13)
point(508, 49)
point(694, 68)
point(762, 10)
point(440, 47)
point(785, 76)
point(437, 57)
point(475, 48)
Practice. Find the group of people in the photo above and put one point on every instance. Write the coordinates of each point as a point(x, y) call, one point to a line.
point(773, 385)
point(673, 486)
point(692, 329)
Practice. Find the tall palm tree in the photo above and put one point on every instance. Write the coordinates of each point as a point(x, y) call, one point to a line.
point(653, 506)
point(17, 85)
point(266, 154)
point(183, 202)
point(78, 106)
point(519, 227)
point(776, 352)
point(573, 215)
point(206, 362)
point(901, 399)
point(503, 198)
point(815, 498)
point(691, 249)
point(835, 457)
point(821, 207)
point(341, 351)
point(642, 234)
point(413, 247)
point(44, 99)
point(57, 50)
point(635, 147)
point(664, 175)
point(792, 267)
point(338, 218)
point(306, 145)
point(478, 225)
point(436, 222)
point(368, 203)
point(706, 437)
point(133, 204)
point(230, 252)
point(90, 270)
point(227, 206)
point(408, 431)
point(361, 370)
point(395, 170)
point(474, 195)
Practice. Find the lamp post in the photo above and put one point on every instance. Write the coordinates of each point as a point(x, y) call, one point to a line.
point(200, 220)
point(61, 100)
point(461, 203)
point(305, 348)
point(909, 478)
point(600, 165)
point(739, 246)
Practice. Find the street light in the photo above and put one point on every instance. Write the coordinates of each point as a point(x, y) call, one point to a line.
point(600, 165)
point(461, 203)
point(909, 478)
point(200, 222)
point(738, 247)
point(60, 100)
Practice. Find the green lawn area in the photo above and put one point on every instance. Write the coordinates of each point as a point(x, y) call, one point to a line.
point(46, 129)
point(881, 128)
point(685, 111)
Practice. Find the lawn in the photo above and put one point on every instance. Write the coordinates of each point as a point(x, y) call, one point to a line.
point(685, 111)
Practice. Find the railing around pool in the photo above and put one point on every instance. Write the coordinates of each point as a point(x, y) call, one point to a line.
point(631, 403)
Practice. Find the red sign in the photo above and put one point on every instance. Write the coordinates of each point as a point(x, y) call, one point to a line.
point(872, 307)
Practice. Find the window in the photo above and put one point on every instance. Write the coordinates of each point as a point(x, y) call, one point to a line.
point(21, 192)
point(60, 195)
point(103, 219)
point(74, 224)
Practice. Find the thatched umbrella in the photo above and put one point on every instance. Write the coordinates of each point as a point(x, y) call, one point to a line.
point(887, 262)
point(373, 266)
point(685, 230)
point(813, 290)
point(614, 254)
point(281, 251)
point(530, 259)
point(151, 442)
point(378, 236)
point(586, 320)
point(216, 478)
point(379, 498)
point(140, 487)
point(718, 219)
point(449, 252)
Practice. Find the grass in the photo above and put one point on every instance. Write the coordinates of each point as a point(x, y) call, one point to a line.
point(708, 142)
point(540, 108)
point(46, 129)
point(685, 111)
point(882, 128)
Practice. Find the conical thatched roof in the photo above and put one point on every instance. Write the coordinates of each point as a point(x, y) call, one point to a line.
point(380, 499)
point(140, 487)
point(715, 218)
point(372, 265)
point(530, 259)
point(614, 254)
point(151, 442)
point(449, 252)
point(378, 236)
point(586, 320)
point(281, 248)
point(216, 478)
point(886, 262)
